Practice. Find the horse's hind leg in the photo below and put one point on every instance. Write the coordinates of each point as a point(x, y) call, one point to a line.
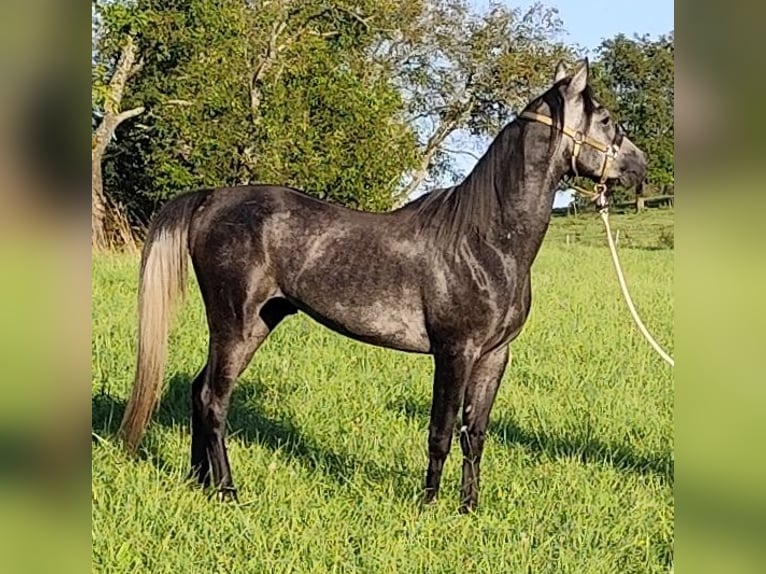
point(227, 358)
point(200, 464)
point(232, 345)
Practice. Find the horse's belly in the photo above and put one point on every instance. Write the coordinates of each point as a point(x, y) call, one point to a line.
point(357, 281)
point(393, 326)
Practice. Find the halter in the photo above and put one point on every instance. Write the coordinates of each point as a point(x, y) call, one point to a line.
point(610, 151)
point(599, 196)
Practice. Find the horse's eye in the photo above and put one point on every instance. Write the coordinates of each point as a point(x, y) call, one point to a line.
point(605, 121)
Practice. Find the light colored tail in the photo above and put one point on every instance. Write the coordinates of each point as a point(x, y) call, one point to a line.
point(162, 285)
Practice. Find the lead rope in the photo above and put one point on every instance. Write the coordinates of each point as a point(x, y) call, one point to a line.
point(600, 199)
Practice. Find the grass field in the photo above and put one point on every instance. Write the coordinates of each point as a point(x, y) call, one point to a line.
point(650, 229)
point(328, 441)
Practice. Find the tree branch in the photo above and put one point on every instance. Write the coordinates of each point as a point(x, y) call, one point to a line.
point(462, 152)
point(266, 60)
point(432, 146)
point(127, 114)
point(175, 102)
point(113, 117)
point(126, 67)
point(363, 21)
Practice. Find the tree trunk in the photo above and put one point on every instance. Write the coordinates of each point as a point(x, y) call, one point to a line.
point(126, 67)
point(98, 203)
point(97, 206)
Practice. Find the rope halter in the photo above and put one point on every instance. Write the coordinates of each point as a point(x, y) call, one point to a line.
point(610, 152)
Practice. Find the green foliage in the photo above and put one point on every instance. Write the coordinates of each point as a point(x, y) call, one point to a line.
point(354, 102)
point(194, 85)
point(239, 92)
point(333, 130)
point(634, 78)
point(578, 468)
point(112, 21)
point(333, 98)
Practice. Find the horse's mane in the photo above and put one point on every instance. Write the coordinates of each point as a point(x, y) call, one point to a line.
point(448, 214)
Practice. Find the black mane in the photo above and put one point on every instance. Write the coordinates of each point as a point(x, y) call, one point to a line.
point(447, 214)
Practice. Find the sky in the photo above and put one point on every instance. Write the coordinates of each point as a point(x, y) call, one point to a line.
point(590, 21)
point(587, 22)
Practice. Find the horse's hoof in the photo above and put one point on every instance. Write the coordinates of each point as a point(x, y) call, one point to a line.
point(227, 494)
point(467, 507)
point(429, 498)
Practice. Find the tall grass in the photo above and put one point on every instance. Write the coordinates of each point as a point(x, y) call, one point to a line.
point(328, 442)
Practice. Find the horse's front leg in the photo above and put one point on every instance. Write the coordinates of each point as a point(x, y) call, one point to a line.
point(452, 368)
point(479, 397)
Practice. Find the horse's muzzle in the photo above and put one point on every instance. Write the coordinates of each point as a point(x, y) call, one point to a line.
point(633, 172)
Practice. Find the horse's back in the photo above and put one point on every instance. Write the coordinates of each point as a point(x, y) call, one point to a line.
point(353, 271)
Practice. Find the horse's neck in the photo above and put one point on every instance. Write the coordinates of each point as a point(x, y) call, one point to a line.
point(527, 184)
point(529, 213)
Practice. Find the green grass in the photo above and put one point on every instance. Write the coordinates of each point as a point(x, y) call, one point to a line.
point(328, 442)
point(649, 229)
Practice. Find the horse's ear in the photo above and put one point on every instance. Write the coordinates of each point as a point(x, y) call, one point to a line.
point(579, 79)
point(561, 72)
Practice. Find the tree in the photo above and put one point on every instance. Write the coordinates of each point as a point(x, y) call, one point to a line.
point(331, 123)
point(634, 78)
point(460, 70)
point(112, 69)
point(275, 91)
point(352, 101)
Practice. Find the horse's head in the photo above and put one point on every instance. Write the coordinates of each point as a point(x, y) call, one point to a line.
point(593, 144)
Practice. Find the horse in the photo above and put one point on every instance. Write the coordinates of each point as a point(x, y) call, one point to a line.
point(447, 274)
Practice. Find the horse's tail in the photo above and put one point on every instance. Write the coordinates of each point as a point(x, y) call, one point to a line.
point(162, 283)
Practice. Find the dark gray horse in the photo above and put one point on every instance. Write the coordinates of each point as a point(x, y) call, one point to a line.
point(448, 274)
